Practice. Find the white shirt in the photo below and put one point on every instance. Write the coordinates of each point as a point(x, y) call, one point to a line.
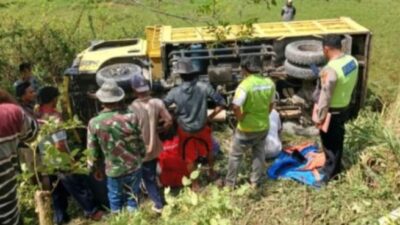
point(274, 144)
point(240, 97)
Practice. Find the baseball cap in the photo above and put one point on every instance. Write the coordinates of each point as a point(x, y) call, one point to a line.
point(139, 83)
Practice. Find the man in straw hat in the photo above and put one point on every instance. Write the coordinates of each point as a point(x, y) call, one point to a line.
point(114, 136)
point(150, 112)
point(190, 99)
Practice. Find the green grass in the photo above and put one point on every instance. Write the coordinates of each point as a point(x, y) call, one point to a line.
point(370, 187)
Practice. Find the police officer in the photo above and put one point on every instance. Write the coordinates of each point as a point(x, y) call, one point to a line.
point(338, 79)
point(251, 105)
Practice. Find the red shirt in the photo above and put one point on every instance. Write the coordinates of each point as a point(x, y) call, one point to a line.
point(45, 112)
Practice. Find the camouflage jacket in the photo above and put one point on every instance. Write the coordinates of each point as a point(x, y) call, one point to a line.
point(114, 136)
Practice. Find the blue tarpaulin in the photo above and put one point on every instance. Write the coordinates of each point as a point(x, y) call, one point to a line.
point(287, 166)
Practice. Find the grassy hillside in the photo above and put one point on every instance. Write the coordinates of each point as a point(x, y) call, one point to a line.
point(51, 32)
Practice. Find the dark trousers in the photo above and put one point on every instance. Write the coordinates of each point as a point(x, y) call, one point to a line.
point(76, 186)
point(149, 179)
point(333, 141)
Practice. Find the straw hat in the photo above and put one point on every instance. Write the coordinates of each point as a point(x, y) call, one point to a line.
point(110, 92)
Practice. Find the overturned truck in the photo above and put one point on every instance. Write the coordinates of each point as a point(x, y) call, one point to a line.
point(291, 54)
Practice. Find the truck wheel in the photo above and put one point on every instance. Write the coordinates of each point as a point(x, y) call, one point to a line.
point(305, 52)
point(121, 73)
point(299, 72)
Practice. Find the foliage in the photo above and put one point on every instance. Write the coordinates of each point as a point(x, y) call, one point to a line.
point(26, 194)
point(49, 162)
point(50, 49)
point(56, 161)
point(127, 218)
point(213, 206)
point(52, 160)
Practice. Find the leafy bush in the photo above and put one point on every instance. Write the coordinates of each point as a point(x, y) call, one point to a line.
point(49, 49)
point(26, 193)
point(51, 162)
point(213, 206)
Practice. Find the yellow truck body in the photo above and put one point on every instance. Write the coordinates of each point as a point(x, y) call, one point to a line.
point(159, 36)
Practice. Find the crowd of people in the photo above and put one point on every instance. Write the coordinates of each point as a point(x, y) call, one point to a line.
point(124, 142)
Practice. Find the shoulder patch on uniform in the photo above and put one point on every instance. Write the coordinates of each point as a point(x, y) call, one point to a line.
point(349, 68)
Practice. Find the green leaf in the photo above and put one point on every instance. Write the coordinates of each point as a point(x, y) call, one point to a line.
point(186, 181)
point(167, 191)
point(74, 152)
point(194, 198)
point(242, 190)
point(194, 175)
point(213, 222)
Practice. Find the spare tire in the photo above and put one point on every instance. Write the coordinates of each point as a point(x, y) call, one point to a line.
point(305, 52)
point(121, 73)
point(299, 72)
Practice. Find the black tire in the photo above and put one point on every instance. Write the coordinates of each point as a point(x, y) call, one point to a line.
point(299, 72)
point(121, 73)
point(305, 52)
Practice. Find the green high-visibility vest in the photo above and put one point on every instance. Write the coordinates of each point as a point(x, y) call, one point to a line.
point(346, 68)
point(259, 94)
